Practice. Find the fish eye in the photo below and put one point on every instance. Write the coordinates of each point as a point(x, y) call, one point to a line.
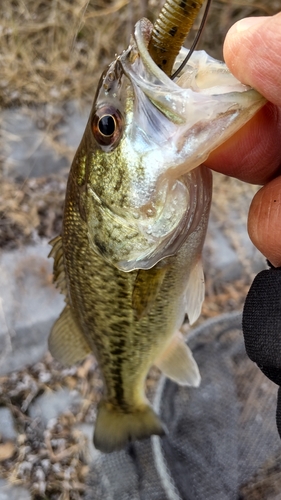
point(107, 126)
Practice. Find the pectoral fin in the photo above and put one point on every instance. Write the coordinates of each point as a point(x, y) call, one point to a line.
point(195, 292)
point(67, 344)
point(147, 285)
point(178, 364)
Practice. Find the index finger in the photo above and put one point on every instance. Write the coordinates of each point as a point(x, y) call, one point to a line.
point(253, 53)
point(253, 154)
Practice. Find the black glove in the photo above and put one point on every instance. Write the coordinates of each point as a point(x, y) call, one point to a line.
point(262, 327)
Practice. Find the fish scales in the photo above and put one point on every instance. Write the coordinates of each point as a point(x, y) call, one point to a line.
point(116, 336)
point(135, 218)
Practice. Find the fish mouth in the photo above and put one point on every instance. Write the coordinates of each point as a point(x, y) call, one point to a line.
point(204, 96)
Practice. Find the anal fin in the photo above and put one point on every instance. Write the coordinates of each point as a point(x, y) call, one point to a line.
point(178, 363)
point(67, 343)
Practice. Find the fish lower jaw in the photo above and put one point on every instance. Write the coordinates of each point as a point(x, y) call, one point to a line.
point(115, 428)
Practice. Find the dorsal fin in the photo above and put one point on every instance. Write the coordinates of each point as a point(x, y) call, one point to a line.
point(59, 273)
point(67, 343)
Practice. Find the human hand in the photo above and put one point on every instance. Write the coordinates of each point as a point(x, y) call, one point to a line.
point(252, 52)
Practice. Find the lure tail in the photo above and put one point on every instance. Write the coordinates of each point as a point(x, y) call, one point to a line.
point(170, 30)
point(114, 428)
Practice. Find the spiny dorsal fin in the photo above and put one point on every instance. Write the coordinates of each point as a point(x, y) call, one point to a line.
point(177, 363)
point(147, 285)
point(67, 343)
point(59, 272)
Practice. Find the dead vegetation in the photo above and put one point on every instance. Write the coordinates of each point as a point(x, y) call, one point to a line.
point(54, 51)
point(52, 462)
point(30, 210)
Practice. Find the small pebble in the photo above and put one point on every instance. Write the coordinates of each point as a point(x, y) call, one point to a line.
point(8, 432)
point(9, 492)
point(51, 404)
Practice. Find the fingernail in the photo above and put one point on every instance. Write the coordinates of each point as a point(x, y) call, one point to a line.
point(249, 22)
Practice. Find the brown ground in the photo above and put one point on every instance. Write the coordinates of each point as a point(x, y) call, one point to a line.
point(52, 52)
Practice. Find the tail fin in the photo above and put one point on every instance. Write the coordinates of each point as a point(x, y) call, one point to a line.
point(114, 428)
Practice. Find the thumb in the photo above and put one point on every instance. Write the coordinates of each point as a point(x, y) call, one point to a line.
point(264, 221)
point(252, 51)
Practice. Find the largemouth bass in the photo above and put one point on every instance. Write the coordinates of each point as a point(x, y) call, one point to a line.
point(135, 218)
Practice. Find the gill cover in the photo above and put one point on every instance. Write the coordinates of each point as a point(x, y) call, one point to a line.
point(169, 129)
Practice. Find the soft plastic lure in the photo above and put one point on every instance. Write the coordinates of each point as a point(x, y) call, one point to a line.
point(171, 29)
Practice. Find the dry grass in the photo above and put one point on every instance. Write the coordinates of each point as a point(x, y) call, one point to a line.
point(30, 210)
point(55, 50)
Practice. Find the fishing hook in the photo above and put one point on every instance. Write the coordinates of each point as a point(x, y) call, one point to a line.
point(193, 46)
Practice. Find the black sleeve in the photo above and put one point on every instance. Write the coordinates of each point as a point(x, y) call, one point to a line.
point(262, 327)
